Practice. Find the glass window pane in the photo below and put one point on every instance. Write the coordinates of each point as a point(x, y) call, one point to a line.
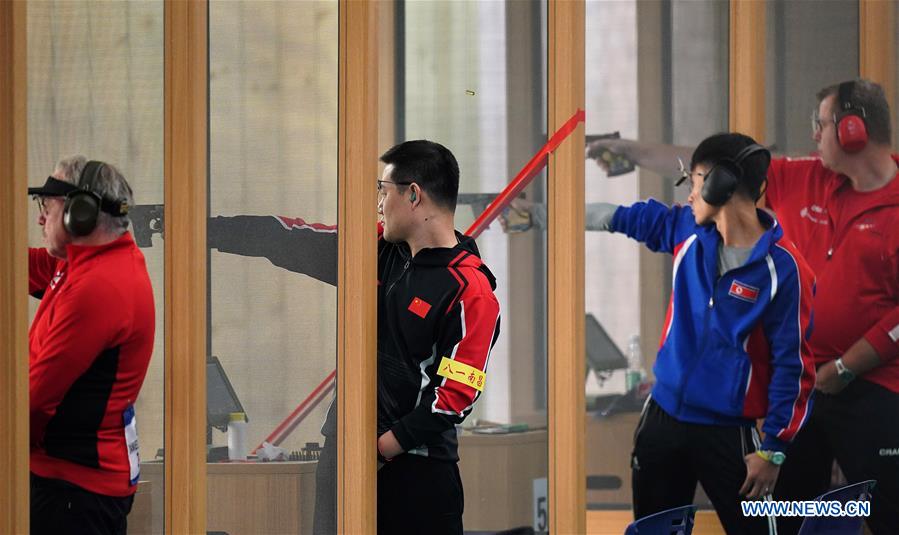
point(800, 62)
point(473, 78)
point(627, 287)
point(273, 261)
point(612, 105)
point(700, 35)
point(95, 87)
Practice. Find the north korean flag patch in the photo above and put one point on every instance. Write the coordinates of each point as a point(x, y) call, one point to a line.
point(419, 307)
point(744, 291)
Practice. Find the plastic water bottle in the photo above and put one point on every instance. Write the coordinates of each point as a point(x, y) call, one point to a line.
point(237, 436)
point(634, 375)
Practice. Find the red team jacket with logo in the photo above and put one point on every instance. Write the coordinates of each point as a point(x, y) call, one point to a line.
point(89, 347)
point(851, 241)
point(436, 311)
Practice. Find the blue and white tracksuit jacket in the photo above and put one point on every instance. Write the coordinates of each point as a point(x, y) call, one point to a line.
point(734, 346)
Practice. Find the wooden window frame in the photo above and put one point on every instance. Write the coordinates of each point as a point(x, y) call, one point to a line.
point(877, 50)
point(186, 142)
point(357, 268)
point(186, 157)
point(14, 477)
point(186, 169)
point(565, 270)
point(747, 58)
point(747, 68)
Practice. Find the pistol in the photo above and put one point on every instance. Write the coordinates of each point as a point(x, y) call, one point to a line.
point(516, 220)
point(478, 201)
point(618, 164)
point(146, 220)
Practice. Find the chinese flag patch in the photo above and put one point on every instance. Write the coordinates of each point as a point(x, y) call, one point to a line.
point(419, 307)
point(743, 291)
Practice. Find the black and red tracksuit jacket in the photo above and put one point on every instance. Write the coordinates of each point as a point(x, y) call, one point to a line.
point(89, 348)
point(439, 304)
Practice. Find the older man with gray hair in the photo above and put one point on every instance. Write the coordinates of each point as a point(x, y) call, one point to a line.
point(89, 348)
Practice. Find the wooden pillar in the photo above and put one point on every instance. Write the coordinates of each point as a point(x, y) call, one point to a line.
point(565, 251)
point(747, 68)
point(186, 153)
point(357, 267)
point(14, 493)
point(877, 49)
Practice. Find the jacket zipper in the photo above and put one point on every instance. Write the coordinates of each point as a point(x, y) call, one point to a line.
point(705, 334)
point(405, 267)
point(705, 338)
point(833, 235)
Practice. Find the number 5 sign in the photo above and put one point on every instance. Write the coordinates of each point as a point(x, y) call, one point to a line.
point(541, 509)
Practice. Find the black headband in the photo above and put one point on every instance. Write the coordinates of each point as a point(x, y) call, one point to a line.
point(54, 187)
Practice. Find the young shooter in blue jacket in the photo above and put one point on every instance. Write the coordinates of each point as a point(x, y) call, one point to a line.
point(733, 347)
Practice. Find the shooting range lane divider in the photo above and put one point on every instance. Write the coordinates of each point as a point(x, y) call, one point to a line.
point(525, 176)
point(515, 187)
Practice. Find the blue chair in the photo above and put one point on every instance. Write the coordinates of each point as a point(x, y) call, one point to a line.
point(839, 525)
point(677, 521)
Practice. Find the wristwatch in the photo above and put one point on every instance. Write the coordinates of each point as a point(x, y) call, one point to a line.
point(843, 372)
point(776, 458)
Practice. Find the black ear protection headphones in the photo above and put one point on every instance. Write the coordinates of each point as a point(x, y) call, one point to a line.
point(83, 205)
point(722, 179)
point(852, 132)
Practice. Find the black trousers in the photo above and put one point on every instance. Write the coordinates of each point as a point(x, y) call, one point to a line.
point(670, 457)
point(417, 495)
point(59, 507)
point(857, 427)
point(325, 517)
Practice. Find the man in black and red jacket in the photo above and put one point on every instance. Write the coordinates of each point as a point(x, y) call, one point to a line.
point(437, 322)
point(89, 348)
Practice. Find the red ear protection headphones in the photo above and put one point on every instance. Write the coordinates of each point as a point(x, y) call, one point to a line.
point(852, 133)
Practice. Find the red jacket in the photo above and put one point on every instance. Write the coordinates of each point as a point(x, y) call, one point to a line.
point(851, 241)
point(89, 347)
